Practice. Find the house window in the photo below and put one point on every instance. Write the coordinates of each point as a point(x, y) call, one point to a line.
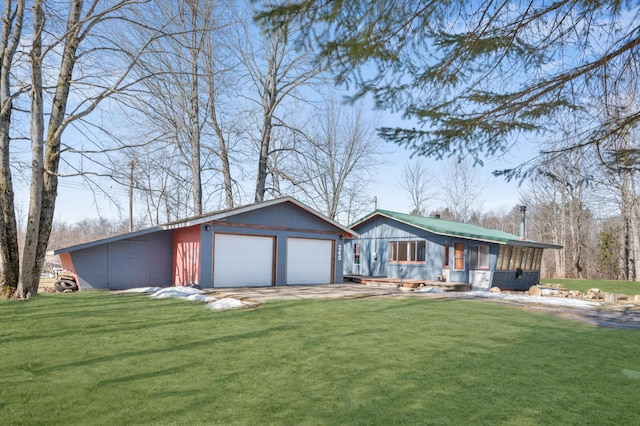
point(458, 256)
point(445, 256)
point(407, 251)
point(479, 257)
point(356, 254)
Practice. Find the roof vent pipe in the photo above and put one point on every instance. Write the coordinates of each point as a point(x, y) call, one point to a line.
point(523, 210)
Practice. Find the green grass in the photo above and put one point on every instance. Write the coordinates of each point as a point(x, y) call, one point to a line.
point(626, 287)
point(95, 358)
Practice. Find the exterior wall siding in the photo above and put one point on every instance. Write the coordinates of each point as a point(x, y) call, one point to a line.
point(186, 255)
point(92, 264)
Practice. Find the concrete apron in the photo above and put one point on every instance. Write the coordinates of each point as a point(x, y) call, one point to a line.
point(301, 292)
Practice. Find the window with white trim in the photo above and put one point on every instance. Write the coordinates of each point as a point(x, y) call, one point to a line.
point(407, 251)
point(479, 257)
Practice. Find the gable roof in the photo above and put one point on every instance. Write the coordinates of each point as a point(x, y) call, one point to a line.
point(455, 229)
point(206, 218)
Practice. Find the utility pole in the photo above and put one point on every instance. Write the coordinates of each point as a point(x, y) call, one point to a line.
point(131, 165)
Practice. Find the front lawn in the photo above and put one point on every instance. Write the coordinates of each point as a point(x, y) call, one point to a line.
point(625, 287)
point(96, 358)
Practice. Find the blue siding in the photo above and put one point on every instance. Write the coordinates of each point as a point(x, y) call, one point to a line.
point(284, 215)
point(92, 264)
point(92, 267)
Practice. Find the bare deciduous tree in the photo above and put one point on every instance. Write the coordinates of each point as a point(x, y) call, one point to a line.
point(336, 159)
point(276, 71)
point(415, 182)
point(461, 189)
point(81, 38)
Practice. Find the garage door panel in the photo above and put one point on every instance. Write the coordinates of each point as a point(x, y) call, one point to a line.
point(309, 261)
point(242, 261)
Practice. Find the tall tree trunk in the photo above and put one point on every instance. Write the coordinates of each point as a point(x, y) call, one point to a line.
point(10, 267)
point(30, 268)
point(223, 145)
point(635, 230)
point(263, 160)
point(56, 126)
point(269, 104)
point(194, 115)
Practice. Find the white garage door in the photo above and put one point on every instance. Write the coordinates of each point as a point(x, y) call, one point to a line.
point(242, 261)
point(309, 261)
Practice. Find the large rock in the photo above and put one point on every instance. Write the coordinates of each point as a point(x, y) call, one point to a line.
point(594, 293)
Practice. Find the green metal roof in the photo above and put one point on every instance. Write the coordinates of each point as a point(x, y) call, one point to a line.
point(456, 229)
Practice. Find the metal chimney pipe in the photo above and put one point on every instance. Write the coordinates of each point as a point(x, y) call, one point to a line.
point(523, 210)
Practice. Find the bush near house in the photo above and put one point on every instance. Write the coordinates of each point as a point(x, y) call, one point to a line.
point(96, 358)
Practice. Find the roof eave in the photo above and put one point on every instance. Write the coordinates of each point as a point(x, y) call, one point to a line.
point(345, 231)
point(519, 243)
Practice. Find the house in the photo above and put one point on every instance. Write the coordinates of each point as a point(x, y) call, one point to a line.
point(276, 242)
point(398, 245)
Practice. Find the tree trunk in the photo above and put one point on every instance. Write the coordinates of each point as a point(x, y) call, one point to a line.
point(265, 143)
point(634, 229)
point(10, 266)
point(223, 147)
point(194, 115)
point(29, 286)
point(226, 169)
point(30, 272)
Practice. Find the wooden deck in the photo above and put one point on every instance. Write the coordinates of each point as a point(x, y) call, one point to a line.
point(406, 283)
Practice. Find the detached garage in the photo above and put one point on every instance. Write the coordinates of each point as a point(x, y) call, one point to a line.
point(276, 242)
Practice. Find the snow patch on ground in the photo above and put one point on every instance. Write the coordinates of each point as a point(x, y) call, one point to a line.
point(541, 300)
point(141, 290)
point(191, 294)
point(429, 290)
point(226, 303)
point(201, 298)
point(178, 291)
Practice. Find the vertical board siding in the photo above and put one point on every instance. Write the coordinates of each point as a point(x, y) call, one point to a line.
point(186, 256)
